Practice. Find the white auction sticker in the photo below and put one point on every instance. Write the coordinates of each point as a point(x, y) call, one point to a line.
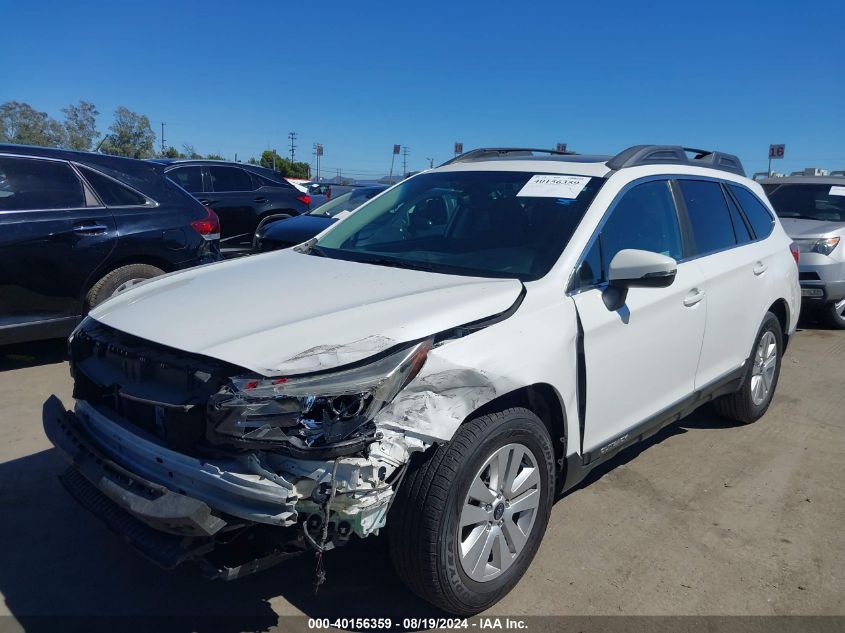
point(554, 186)
point(837, 190)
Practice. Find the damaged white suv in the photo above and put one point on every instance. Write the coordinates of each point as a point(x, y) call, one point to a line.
point(442, 363)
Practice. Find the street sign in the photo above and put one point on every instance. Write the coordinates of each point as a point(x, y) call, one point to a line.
point(776, 151)
point(560, 147)
point(459, 148)
point(397, 149)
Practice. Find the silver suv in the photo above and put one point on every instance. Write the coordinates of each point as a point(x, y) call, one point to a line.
point(812, 211)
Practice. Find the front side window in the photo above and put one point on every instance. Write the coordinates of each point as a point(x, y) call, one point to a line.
point(189, 178)
point(478, 223)
point(31, 184)
point(644, 218)
point(808, 201)
point(111, 192)
point(709, 215)
point(229, 179)
point(758, 215)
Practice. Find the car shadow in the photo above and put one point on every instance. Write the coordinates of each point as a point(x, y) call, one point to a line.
point(59, 560)
point(33, 354)
point(703, 418)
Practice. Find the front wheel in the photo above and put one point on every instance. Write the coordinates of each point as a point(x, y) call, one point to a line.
point(470, 515)
point(761, 376)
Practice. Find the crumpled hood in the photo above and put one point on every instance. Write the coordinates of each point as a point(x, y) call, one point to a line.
point(286, 313)
point(798, 228)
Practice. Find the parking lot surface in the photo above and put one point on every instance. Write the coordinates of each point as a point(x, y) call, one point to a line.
point(704, 518)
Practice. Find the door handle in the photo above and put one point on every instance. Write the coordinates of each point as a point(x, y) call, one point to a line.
point(695, 295)
point(760, 268)
point(90, 228)
point(261, 200)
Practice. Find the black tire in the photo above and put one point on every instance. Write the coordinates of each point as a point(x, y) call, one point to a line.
point(424, 521)
point(834, 316)
point(740, 406)
point(109, 284)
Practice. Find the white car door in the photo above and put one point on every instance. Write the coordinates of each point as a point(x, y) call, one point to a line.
point(642, 358)
point(735, 269)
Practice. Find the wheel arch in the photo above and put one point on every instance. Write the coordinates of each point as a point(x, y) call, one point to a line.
point(544, 400)
point(780, 309)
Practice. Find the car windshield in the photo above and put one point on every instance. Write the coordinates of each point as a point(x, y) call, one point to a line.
point(347, 202)
point(476, 223)
point(808, 201)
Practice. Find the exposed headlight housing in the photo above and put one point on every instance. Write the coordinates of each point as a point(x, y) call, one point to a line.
point(823, 246)
point(328, 413)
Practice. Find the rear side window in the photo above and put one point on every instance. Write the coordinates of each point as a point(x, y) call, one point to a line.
point(111, 192)
point(230, 179)
point(709, 215)
point(758, 215)
point(31, 184)
point(262, 181)
point(645, 218)
point(743, 235)
point(189, 178)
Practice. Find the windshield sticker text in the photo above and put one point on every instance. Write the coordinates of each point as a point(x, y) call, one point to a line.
point(551, 186)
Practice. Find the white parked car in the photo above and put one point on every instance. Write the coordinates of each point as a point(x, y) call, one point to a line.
point(443, 362)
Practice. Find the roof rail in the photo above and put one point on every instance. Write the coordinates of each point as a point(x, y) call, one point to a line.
point(677, 155)
point(483, 153)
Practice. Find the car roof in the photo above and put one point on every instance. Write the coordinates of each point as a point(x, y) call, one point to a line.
point(804, 180)
point(119, 163)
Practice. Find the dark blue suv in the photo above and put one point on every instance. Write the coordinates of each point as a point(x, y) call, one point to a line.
point(76, 227)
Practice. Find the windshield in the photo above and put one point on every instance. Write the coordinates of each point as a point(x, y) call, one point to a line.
point(346, 202)
point(808, 201)
point(478, 223)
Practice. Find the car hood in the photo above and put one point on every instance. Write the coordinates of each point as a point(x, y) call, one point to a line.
point(798, 228)
point(284, 312)
point(298, 229)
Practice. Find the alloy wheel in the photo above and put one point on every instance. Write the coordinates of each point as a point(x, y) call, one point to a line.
point(498, 512)
point(763, 371)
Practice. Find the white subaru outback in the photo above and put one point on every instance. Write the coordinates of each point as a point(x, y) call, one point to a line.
point(442, 363)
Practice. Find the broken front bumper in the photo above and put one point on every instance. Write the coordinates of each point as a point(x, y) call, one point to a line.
point(166, 526)
point(173, 507)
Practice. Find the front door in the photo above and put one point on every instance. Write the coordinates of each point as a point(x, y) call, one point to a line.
point(642, 358)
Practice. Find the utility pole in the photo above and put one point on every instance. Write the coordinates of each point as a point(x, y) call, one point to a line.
point(274, 160)
point(162, 138)
point(292, 137)
point(404, 161)
point(430, 163)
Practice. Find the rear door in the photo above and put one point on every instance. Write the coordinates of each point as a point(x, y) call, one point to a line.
point(642, 358)
point(234, 199)
point(53, 234)
point(736, 274)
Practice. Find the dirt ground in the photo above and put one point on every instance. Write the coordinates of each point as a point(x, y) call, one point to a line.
point(704, 518)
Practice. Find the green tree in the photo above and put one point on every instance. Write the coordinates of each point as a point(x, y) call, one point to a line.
point(80, 125)
point(172, 152)
point(213, 156)
point(190, 152)
point(130, 135)
point(283, 165)
point(21, 123)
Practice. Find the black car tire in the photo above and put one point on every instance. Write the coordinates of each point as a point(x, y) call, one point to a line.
point(834, 315)
point(424, 523)
point(740, 406)
point(109, 284)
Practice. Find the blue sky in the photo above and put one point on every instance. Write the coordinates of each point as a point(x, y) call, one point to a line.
point(236, 77)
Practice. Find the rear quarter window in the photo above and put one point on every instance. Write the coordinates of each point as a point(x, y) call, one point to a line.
point(111, 192)
point(758, 215)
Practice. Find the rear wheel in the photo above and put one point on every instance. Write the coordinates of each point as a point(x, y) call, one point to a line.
point(834, 314)
point(470, 515)
point(761, 376)
point(118, 280)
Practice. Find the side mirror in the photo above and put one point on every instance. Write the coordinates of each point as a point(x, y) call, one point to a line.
point(632, 268)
